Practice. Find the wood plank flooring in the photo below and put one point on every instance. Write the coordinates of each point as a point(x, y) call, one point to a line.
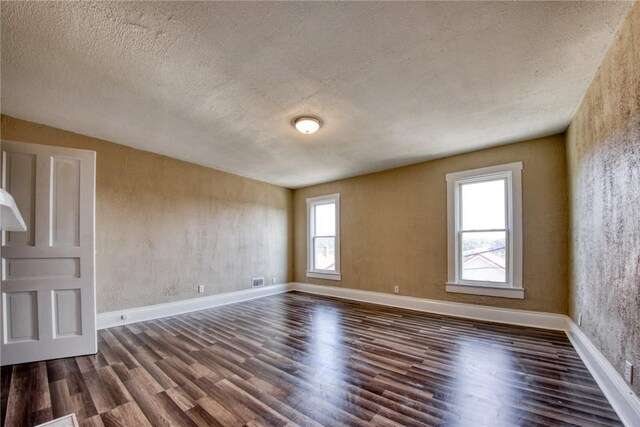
point(298, 359)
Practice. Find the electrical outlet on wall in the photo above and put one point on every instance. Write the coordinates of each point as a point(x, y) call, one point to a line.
point(396, 289)
point(628, 372)
point(200, 289)
point(273, 280)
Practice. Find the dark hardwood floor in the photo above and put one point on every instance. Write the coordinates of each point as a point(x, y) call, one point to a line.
point(298, 359)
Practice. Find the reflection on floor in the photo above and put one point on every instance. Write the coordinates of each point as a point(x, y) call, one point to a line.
point(309, 360)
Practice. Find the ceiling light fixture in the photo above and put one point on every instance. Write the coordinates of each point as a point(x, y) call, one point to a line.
point(307, 124)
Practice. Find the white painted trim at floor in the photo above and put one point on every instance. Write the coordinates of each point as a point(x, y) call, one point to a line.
point(140, 314)
point(534, 319)
point(615, 388)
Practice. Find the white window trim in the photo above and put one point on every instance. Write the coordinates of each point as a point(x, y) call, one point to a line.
point(315, 273)
point(512, 172)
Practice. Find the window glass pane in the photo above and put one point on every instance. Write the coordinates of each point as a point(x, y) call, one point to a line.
point(483, 205)
point(484, 256)
point(325, 217)
point(324, 249)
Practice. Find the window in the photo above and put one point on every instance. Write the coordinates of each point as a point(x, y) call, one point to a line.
point(484, 208)
point(323, 243)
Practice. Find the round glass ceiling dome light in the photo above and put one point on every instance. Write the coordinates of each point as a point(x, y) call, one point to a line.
point(307, 124)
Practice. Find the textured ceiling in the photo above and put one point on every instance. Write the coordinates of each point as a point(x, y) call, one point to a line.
point(218, 83)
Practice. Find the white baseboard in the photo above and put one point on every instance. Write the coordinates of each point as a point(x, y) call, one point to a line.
point(534, 319)
point(140, 314)
point(615, 388)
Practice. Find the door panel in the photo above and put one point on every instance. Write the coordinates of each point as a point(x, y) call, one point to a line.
point(67, 313)
point(48, 277)
point(21, 316)
point(65, 200)
point(41, 268)
point(20, 173)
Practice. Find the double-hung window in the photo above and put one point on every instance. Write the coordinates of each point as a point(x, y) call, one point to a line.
point(484, 208)
point(323, 237)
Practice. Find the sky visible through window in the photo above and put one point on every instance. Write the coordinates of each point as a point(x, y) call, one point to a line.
point(326, 219)
point(483, 205)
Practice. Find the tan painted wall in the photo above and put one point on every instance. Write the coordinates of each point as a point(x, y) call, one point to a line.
point(164, 226)
point(603, 151)
point(394, 226)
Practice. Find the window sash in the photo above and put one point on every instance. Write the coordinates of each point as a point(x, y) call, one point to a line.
point(507, 254)
point(505, 177)
point(315, 260)
point(459, 231)
point(312, 203)
point(315, 213)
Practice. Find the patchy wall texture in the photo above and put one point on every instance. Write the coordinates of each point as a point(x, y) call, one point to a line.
point(164, 226)
point(394, 226)
point(603, 151)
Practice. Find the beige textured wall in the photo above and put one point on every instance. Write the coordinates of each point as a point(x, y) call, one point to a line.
point(603, 151)
point(164, 226)
point(394, 226)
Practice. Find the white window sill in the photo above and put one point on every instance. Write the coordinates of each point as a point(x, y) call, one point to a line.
point(328, 276)
point(487, 290)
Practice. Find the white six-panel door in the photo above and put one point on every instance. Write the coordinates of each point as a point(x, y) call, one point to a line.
point(48, 307)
